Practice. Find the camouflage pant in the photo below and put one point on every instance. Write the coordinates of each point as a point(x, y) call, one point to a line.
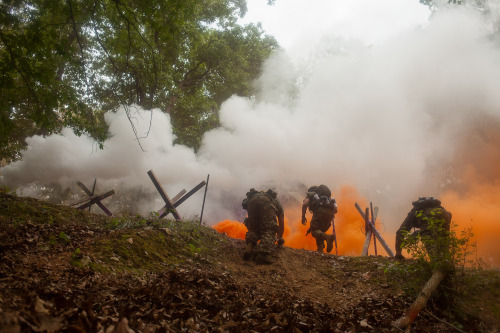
point(320, 223)
point(267, 239)
point(261, 223)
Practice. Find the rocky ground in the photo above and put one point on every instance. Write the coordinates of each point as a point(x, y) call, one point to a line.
point(65, 270)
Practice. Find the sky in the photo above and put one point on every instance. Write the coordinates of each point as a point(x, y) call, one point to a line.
point(299, 24)
point(376, 99)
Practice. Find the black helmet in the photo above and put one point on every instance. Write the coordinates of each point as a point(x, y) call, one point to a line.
point(425, 202)
point(312, 189)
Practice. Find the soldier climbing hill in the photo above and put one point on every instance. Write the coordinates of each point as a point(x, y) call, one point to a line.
point(323, 208)
point(433, 222)
point(263, 208)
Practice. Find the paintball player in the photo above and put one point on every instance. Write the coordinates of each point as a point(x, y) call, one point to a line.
point(323, 209)
point(263, 209)
point(433, 222)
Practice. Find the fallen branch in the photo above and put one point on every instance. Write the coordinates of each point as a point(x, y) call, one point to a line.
point(430, 287)
point(444, 322)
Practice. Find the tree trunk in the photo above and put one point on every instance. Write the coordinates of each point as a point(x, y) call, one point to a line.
point(411, 314)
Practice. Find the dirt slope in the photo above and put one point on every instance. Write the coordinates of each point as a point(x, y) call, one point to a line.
point(63, 270)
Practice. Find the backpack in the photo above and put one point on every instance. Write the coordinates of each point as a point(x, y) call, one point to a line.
point(249, 194)
point(271, 193)
point(321, 197)
point(321, 190)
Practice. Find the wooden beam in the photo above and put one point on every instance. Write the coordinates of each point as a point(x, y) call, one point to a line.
point(91, 196)
point(360, 211)
point(367, 243)
point(375, 211)
point(190, 193)
point(170, 205)
point(181, 200)
point(373, 221)
point(178, 195)
point(204, 197)
point(96, 199)
point(164, 209)
point(376, 233)
point(381, 240)
point(93, 191)
point(368, 233)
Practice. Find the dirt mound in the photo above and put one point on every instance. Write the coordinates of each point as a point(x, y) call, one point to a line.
point(63, 270)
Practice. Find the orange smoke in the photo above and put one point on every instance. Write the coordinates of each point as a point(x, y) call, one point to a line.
point(474, 197)
point(349, 225)
point(233, 229)
point(478, 209)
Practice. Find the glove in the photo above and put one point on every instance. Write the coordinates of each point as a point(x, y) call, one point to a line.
point(304, 221)
point(281, 241)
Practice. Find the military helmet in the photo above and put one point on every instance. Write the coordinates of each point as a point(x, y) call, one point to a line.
point(312, 189)
point(321, 190)
point(426, 202)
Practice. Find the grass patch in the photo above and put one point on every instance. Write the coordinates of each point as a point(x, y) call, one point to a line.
point(139, 244)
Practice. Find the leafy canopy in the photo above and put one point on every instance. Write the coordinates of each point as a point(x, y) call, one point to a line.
point(66, 62)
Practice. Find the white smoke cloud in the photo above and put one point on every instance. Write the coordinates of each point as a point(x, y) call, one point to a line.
point(376, 117)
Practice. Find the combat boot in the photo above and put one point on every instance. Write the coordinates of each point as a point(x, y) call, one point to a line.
point(321, 247)
point(248, 251)
point(329, 243)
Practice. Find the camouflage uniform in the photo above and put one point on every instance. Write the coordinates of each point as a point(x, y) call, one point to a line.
point(263, 209)
point(434, 224)
point(322, 216)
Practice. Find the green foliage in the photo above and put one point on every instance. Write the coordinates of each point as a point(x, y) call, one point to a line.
point(154, 215)
point(76, 257)
point(155, 244)
point(77, 254)
point(413, 275)
point(65, 63)
point(434, 6)
point(27, 210)
point(63, 237)
point(7, 190)
point(436, 248)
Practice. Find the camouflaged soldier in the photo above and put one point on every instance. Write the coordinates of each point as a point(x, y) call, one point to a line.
point(263, 209)
point(323, 209)
point(433, 222)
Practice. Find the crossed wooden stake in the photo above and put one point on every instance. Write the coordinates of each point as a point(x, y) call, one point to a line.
point(93, 199)
point(172, 204)
point(370, 230)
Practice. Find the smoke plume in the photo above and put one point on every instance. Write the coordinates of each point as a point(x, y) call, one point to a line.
point(416, 115)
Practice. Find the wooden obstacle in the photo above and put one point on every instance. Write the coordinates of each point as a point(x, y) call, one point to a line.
point(171, 204)
point(204, 197)
point(93, 199)
point(335, 233)
point(370, 230)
